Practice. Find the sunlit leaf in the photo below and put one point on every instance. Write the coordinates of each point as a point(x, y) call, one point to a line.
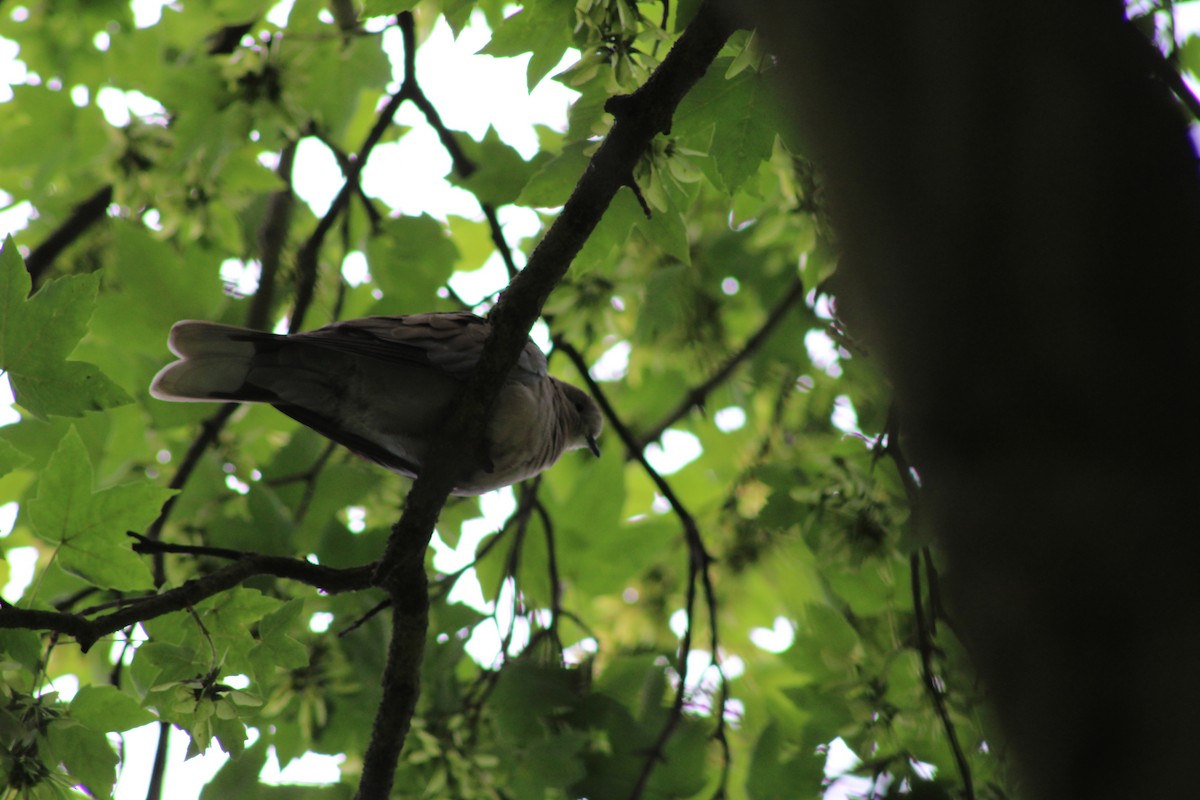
point(89, 527)
point(38, 334)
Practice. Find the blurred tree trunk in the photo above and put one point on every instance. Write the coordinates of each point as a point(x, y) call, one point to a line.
point(1017, 202)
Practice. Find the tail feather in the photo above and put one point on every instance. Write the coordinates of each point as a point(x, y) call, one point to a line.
point(214, 362)
point(195, 339)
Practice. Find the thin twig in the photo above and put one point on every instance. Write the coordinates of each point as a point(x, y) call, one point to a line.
point(208, 434)
point(925, 647)
point(698, 572)
point(272, 238)
point(552, 572)
point(345, 163)
point(70, 601)
point(445, 583)
point(462, 164)
point(489, 212)
point(511, 569)
point(87, 632)
point(306, 259)
point(925, 623)
point(310, 482)
point(365, 618)
point(82, 217)
point(696, 396)
point(158, 770)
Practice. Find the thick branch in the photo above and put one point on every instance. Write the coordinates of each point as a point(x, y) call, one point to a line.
point(640, 117)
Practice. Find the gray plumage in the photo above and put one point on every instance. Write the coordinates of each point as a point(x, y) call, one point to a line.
point(382, 386)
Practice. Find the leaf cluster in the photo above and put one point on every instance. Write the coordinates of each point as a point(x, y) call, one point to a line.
point(612, 652)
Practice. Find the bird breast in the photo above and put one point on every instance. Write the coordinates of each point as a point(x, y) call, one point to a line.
point(522, 437)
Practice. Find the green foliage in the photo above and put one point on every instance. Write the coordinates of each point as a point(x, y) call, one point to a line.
point(806, 528)
point(88, 528)
point(38, 334)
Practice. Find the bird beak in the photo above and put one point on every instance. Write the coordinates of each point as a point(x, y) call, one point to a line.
point(591, 443)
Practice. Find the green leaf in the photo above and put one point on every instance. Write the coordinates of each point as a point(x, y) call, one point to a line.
point(682, 773)
point(473, 240)
point(89, 527)
point(548, 764)
point(527, 696)
point(22, 646)
point(11, 458)
point(555, 179)
point(36, 336)
point(276, 647)
point(781, 770)
point(107, 708)
point(379, 8)
point(745, 115)
point(1189, 54)
point(232, 735)
point(411, 259)
point(500, 173)
point(158, 663)
point(228, 621)
point(86, 754)
point(541, 28)
point(239, 777)
point(329, 79)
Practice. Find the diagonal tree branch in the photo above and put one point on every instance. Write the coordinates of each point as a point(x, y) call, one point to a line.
point(639, 118)
point(698, 575)
point(272, 238)
point(83, 216)
point(306, 259)
point(696, 396)
point(87, 631)
point(1162, 68)
point(925, 619)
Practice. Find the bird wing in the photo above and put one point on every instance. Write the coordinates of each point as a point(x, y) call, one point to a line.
point(368, 449)
point(450, 342)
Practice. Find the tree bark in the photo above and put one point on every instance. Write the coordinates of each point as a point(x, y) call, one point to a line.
point(1017, 200)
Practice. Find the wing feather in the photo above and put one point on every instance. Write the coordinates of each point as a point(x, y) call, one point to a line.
point(450, 342)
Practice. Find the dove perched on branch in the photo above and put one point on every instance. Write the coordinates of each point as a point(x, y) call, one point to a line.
point(383, 386)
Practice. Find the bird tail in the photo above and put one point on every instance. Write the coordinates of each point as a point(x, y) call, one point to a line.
point(214, 361)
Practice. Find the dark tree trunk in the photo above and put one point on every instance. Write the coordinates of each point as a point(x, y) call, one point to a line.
point(1017, 200)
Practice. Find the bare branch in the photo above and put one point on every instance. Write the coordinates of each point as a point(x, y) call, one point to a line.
point(936, 694)
point(272, 237)
point(696, 396)
point(925, 620)
point(86, 632)
point(498, 239)
point(698, 573)
point(84, 215)
point(306, 259)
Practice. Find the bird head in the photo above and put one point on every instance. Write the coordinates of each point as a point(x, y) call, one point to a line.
point(586, 421)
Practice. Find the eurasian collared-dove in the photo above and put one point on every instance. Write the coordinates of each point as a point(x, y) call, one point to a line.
point(382, 387)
